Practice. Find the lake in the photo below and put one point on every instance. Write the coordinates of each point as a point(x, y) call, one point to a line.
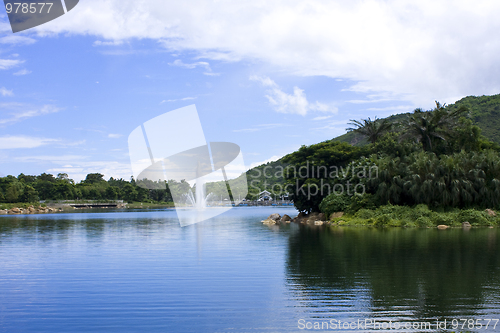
point(139, 271)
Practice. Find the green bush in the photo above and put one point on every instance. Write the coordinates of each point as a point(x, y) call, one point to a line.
point(334, 203)
point(361, 201)
point(365, 214)
point(474, 217)
point(443, 218)
point(382, 221)
point(423, 221)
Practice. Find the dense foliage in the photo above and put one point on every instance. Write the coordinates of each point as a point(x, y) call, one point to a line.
point(417, 216)
point(437, 157)
point(318, 169)
point(25, 188)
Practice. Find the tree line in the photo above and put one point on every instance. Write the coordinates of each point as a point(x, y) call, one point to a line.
point(27, 188)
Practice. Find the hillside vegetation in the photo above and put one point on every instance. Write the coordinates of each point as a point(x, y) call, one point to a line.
point(445, 158)
point(484, 111)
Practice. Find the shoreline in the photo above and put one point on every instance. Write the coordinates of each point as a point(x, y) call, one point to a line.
point(395, 216)
point(37, 208)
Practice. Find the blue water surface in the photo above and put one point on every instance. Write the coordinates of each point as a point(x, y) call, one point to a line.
point(139, 271)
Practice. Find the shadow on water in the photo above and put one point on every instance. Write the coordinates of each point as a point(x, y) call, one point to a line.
point(426, 272)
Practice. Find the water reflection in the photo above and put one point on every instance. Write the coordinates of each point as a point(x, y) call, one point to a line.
point(135, 270)
point(420, 273)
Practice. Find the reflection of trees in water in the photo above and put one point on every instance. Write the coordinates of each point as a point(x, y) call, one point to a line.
point(45, 229)
point(433, 273)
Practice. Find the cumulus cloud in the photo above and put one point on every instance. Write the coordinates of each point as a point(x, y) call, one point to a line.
point(17, 40)
point(5, 92)
point(295, 103)
point(9, 63)
point(416, 50)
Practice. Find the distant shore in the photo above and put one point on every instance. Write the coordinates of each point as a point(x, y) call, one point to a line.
point(55, 207)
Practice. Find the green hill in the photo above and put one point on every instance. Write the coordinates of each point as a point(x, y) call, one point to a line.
point(484, 111)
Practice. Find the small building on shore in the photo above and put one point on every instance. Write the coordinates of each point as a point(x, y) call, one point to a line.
point(265, 196)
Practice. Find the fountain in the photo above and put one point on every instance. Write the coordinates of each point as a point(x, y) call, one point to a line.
point(199, 200)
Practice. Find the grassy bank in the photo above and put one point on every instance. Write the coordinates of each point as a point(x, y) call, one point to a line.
point(417, 216)
point(147, 205)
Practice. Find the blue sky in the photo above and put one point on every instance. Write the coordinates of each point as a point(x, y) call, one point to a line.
point(269, 77)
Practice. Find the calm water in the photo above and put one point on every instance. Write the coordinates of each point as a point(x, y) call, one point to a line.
point(141, 272)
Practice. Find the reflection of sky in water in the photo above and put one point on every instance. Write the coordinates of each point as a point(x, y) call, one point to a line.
point(131, 271)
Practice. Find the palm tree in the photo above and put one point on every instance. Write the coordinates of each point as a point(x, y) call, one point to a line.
point(428, 127)
point(372, 129)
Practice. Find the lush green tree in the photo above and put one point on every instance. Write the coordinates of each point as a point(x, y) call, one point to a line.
point(111, 193)
point(129, 192)
point(65, 178)
point(372, 129)
point(315, 171)
point(44, 188)
point(27, 188)
point(13, 193)
point(62, 190)
point(430, 127)
point(30, 194)
point(464, 179)
point(26, 178)
point(47, 177)
point(93, 178)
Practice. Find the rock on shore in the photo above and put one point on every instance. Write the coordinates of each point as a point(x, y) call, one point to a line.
point(277, 219)
point(30, 210)
point(312, 218)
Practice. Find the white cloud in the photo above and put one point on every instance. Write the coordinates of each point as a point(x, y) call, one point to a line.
point(9, 63)
point(59, 159)
point(22, 72)
point(72, 143)
point(17, 40)
point(175, 100)
point(179, 63)
point(419, 51)
point(398, 108)
point(21, 114)
point(295, 103)
point(19, 141)
point(114, 136)
point(204, 64)
point(322, 118)
point(5, 92)
point(107, 43)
